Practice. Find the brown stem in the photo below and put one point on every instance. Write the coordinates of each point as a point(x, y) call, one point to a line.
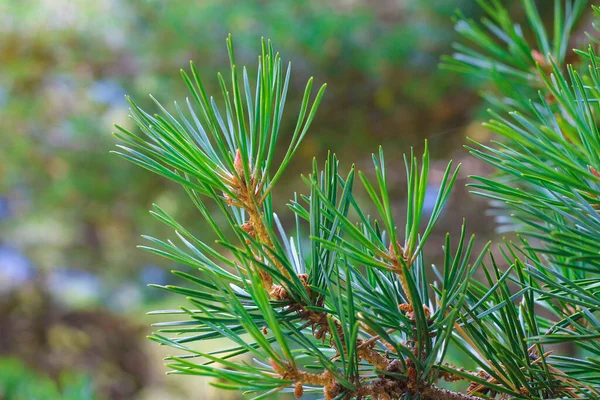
point(263, 237)
point(375, 336)
point(366, 352)
point(247, 194)
point(388, 389)
point(436, 393)
point(396, 260)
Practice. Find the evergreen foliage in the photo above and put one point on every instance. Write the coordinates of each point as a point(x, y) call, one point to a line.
point(348, 305)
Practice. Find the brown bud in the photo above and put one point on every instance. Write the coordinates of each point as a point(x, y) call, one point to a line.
point(298, 390)
point(278, 293)
point(319, 334)
point(427, 310)
point(412, 377)
point(248, 227)
point(405, 307)
point(303, 278)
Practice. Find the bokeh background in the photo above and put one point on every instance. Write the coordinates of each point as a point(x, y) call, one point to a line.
point(73, 292)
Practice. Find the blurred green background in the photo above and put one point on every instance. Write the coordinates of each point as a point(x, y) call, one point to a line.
point(72, 283)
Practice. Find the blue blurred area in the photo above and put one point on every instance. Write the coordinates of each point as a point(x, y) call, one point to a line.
point(15, 269)
point(74, 287)
point(109, 93)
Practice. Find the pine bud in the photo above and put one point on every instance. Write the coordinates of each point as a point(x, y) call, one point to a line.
point(298, 390)
point(538, 57)
point(237, 163)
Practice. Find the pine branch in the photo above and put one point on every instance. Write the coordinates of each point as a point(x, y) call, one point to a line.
point(277, 295)
point(347, 307)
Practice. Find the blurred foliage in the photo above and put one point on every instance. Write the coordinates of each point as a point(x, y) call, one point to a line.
point(17, 382)
point(50, 338)
point(66, 66)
